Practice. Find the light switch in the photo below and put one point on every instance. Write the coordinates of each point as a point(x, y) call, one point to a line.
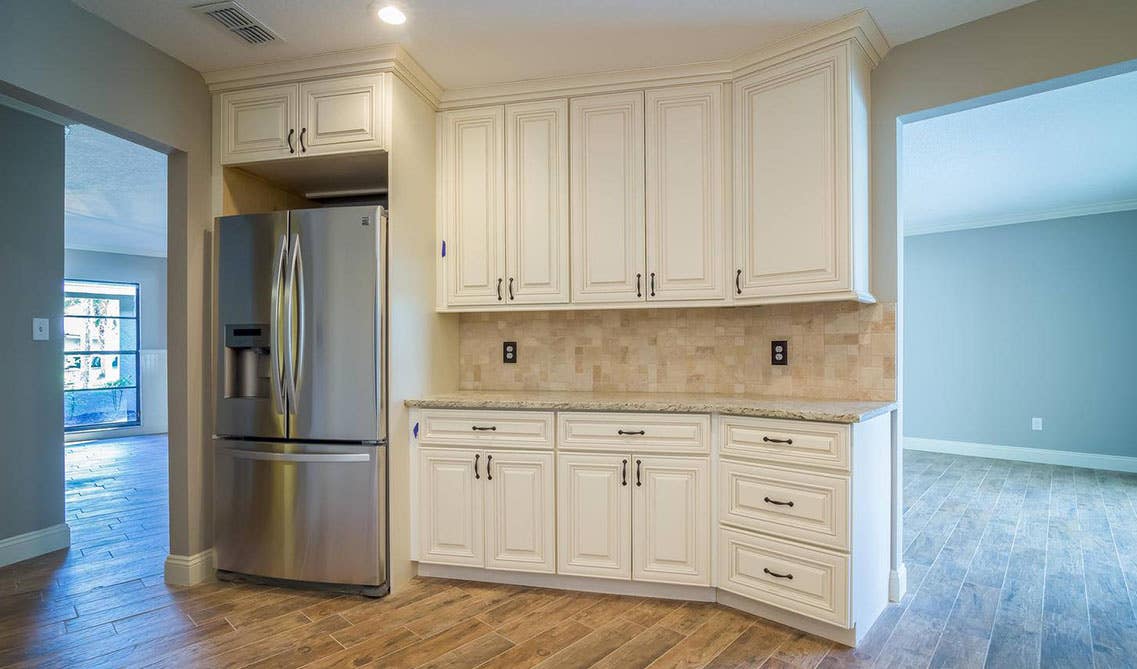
point(41, 329)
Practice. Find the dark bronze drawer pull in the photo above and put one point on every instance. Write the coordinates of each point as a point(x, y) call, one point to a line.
point(777, 441)
point(480, 428)
point(774, 501)
point(777, 575)
point(624, 473)
point(477, 456)
point(624, 433)
point(638, 478)
point(489, 461)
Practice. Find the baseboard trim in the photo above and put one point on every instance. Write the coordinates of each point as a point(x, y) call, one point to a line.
point(35, 543)
point(897, 583)
point(1117, 463)
point(692, 593)
point(189, 569)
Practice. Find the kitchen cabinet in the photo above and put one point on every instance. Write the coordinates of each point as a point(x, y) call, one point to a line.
point(471, 173)
point(594, 534)
point(801, 179)
point(607, 193)
point(686, 193)
point(451, 506)
point(519, 516)
point(291, 121)
point(671, 520)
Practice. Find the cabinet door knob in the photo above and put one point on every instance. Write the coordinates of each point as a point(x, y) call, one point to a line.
point(291, 149)
point(738, 282)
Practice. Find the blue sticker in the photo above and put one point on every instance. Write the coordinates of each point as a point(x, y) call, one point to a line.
point(416, 430)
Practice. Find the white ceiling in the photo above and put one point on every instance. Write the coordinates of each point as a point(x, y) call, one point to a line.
point(1064, 152)
point(492, 41)
point(114, 194)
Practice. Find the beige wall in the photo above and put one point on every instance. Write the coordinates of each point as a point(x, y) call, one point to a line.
point(63, 59)
point(841, 350)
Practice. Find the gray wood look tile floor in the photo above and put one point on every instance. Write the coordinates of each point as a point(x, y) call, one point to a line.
point(1009, 565)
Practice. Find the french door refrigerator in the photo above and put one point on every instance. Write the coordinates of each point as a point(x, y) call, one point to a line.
point(300, 478)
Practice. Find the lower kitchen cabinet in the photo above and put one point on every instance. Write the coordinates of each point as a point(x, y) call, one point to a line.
point(641, 517)
point(490, 509)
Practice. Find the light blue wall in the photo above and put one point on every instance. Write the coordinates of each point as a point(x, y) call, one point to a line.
point(1038, 319)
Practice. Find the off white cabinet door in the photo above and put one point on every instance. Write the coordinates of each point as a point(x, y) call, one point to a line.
point(792, 226)
point(450, 507)
point(345, 114)
point(594, 534)
point(607, 190)
point(520, 511)
point(259, 124)
point(671, 520)
point(686, 193)
point(471, 175)
point(536, 202)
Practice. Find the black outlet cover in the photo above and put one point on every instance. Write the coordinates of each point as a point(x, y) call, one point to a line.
point(780, 352)
point(509, 352)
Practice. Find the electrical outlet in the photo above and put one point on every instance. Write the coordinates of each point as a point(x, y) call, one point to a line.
point(509, 352)
point(1036, 424)
point(41, 329)
point(780, 352)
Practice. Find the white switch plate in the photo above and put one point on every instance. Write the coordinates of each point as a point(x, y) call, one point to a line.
point(41, 330)
point(1036, 424)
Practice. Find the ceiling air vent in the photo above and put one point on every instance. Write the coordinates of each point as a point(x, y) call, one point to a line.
point(238, 21)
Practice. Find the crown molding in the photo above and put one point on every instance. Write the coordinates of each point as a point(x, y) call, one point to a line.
point(385, 58)
point(858, 27)
point(949, 225)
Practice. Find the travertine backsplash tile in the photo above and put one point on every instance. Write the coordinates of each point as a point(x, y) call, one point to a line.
point(837, 350)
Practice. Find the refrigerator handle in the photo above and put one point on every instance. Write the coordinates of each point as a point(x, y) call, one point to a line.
point(274, 325)
point(295, 357)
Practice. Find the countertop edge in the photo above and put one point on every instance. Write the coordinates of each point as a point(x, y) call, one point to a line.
point(660, 406)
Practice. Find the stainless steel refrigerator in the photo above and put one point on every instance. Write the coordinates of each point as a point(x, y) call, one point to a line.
point(300, 474)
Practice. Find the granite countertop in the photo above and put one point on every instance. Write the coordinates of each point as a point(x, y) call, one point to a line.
point(826, 411)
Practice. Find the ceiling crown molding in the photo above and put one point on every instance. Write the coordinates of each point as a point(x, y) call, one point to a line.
point(384, 58)
point(953, 225)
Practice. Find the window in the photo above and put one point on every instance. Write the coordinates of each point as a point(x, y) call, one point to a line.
point(100, 355)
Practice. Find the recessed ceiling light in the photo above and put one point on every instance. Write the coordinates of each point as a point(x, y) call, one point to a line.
point(393, 15)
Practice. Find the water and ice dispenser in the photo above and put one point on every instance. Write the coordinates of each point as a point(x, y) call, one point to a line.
point(248, 361)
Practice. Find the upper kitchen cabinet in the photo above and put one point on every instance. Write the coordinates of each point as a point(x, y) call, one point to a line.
point(801, 179)
point(686, 193)
point(324, 116)
point(607, 193)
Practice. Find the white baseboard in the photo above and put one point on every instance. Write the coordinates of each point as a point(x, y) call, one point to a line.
point(692, 593)
point(32, 544)
point(189, 569)
point(897, 583)
point(1117, 463)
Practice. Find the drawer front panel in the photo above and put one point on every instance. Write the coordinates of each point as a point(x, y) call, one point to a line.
point(785, 502)
point(459, 427)
point(623, 432)
point(804, 580)
point(791, 442)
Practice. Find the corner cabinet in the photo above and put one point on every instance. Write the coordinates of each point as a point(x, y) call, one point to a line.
point(801, 179)
point(291, 121)
point(503, 198)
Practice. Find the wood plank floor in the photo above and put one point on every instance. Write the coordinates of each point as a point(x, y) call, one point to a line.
point(1010, 565)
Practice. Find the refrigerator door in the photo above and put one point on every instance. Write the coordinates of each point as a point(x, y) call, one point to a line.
point(250, 254)
point(303, 512)
point(336, 298)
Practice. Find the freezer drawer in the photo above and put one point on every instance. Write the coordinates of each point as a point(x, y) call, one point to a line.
point(304, 512)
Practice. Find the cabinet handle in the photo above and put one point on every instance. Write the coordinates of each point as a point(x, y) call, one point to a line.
point(303, 149)
point(624, 473)
point(511, 288)
point(622, 432)
point(482, 428)
point(653, 284)
point(638, 292)
point(738, 282)
point(774, 501)
point(291, 149)
point(638, 482)
point(777, 575)
point(489, 461)
point(477, 456)
point(788, 442)
point(499, 290)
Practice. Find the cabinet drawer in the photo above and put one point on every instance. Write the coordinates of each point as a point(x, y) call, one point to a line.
point(624, 432)
point(460, 427)
point(809, 581)
point(785, 502)
point(791, 442)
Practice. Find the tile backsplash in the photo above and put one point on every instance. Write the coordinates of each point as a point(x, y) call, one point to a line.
point(838, 350)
